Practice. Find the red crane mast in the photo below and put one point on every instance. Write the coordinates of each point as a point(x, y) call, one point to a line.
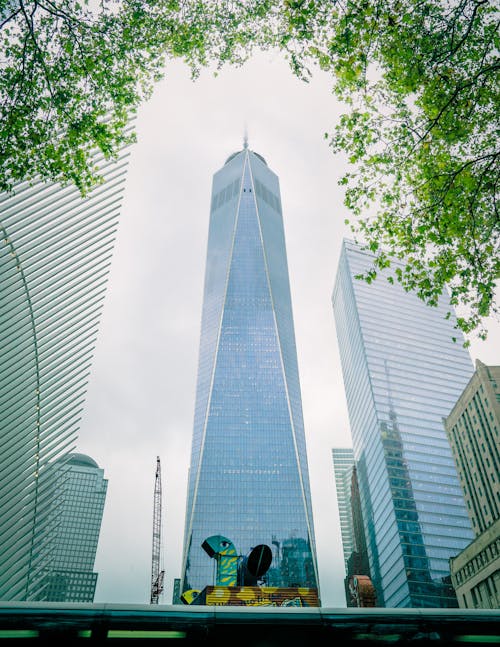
point(157, 572)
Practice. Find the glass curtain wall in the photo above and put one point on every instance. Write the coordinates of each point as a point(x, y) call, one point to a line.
point(402, 374)
point(248, 477)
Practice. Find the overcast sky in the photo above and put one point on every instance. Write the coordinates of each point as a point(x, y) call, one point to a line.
point(141, 395)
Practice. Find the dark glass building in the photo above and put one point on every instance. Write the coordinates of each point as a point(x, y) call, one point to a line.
point(248, 478)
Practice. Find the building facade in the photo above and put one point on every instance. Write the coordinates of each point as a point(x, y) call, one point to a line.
point(358, 565)
point(343, 464)
point(359, 590)
point(475, 572)
point(77, 505)
point(473, 431)
point(55, 254)
point(176, 591)
point(248, 479)
point(402, 374)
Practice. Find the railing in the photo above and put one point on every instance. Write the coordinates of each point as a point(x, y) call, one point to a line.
point(67, 624)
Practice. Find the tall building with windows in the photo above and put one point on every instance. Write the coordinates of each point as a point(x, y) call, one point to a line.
point(55, 254)
point(77, 505)
point(358, 585)
point(473, 428)
point(343, 464)
point(248, 479)
point(358, 562)
point(402, 374)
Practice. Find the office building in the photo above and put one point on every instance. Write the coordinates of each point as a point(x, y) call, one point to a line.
point(343, 464)
point(77, 504)
point(402, 374)
point(473, 431)
point(55, 254)
point(358, 585)
point(248, 479)
point(176, 591)
point(358, 563)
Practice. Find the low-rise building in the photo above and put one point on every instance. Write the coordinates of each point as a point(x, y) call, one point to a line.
point(473, 431)
point(475, 572)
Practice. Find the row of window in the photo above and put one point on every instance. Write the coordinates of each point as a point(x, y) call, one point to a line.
point(225, 194)
point(485, 595)
point(487, 555)
point(269, 198)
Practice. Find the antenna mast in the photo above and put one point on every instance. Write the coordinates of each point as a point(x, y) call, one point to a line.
point(157, 574)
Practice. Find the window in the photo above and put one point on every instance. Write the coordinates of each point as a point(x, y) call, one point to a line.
point(474, 596)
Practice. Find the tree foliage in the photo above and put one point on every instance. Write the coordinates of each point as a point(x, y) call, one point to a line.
point(419, 79)
point(73, 73)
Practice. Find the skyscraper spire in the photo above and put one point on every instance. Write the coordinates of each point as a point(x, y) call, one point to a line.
point(245, 138)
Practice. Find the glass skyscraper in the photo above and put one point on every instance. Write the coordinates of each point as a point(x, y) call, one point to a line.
point(343, 463)
point(77, 503)
point(248, 479)
point(402, 375)
point(55, 255)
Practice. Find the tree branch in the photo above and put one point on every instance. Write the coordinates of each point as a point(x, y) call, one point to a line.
point(9, 18)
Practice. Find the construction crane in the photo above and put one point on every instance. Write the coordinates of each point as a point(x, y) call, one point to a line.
point(157, 573)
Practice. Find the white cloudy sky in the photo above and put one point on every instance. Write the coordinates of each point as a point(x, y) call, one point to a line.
point(141, 393)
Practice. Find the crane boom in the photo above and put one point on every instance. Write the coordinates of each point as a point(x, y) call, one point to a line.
point(157, 573)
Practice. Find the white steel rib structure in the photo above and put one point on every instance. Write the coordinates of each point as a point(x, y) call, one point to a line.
point(55, 255)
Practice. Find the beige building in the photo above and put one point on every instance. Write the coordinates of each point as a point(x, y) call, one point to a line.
point(473, 428)
point(475, 572)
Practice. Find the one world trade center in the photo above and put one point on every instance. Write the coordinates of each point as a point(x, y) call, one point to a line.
point(248, 478)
